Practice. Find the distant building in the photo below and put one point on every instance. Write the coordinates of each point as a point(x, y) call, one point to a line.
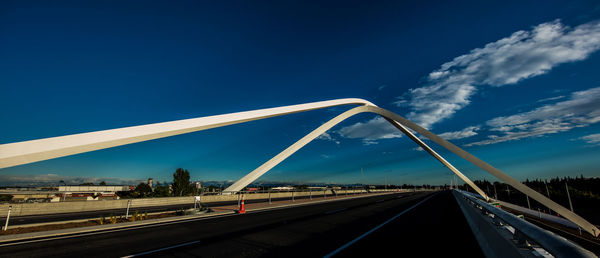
point(150, 182)
point(198, 185)
point(283, 188)
point(20, 195)
point(89, 192)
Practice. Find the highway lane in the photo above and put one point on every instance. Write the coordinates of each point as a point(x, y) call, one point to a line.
point(30, 219)
point(311, 230)
point(437, 228)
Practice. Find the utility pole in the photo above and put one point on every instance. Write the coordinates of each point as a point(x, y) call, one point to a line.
point(528, 204)
point(455, 182)
point(547, 192)
point(569, 196)
point(508, 190)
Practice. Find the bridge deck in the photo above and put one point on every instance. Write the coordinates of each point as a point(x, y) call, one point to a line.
point(435, 227)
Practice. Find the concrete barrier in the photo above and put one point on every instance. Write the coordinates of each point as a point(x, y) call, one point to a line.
point(23, 209)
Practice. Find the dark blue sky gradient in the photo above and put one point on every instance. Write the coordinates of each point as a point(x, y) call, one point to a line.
point(80, 66)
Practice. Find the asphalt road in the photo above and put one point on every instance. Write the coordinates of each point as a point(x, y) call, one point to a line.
point(30, 219)
point(434, 227)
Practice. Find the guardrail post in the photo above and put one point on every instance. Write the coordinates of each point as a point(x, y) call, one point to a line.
point(292, 196)
point(521, 238)
point(197, 200)
point(239, 199)
point(127, 212)
point(269, 196)
point(7, 218)
point(310, 193)
point(324, 193)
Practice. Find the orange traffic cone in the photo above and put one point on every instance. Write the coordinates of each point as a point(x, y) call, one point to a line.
point(242, 209)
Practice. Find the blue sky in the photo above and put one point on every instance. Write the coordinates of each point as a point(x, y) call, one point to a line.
point(515, 83)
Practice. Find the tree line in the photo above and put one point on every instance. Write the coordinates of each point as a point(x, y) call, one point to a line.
point(584, 193)
point(181, 186)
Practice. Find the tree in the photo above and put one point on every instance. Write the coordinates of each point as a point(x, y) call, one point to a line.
point(181, 183)
point(143, 189)
point(5, 197)
point(161, 190)
point(102, 183)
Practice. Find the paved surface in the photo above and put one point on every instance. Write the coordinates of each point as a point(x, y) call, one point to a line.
point(434, 227)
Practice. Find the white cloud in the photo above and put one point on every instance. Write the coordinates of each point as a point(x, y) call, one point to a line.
point(591, 139)
point(551, 99)
point(370, 131)
point(382, 87)
point(327, 137)
point(522, 55)
point(54, 179)
point(419, 148)
point(464, 133)
point(580, 110)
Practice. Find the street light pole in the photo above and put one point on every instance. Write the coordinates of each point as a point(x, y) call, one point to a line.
point(385, 187)
point(363, 176)
point(495, 192)
point(569, 196)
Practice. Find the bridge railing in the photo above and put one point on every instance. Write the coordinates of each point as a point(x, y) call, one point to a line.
point(329, 191)
point(525, 233)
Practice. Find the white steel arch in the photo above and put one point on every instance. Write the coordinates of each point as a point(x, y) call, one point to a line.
point(13, 154)
point(19, 153)
point(400, 123)
point(264, 168)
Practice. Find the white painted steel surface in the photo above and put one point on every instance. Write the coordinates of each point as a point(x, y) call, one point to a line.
point(13, 154)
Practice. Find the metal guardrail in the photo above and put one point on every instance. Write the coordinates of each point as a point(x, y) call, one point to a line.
point(540, 215)
point(554, 244)
point(329, 190)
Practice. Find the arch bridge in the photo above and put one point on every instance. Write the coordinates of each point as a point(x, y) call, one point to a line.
point(19, 153)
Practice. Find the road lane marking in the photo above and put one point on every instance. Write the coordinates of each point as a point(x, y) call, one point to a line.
point(111, 230)
point(378, 201)
point(162, 249)
point(334, 211)
point(376, 228)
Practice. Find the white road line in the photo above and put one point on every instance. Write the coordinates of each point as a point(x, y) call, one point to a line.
point(162, 249)
point(112, 230)
point(334, 211)
point(376, 228)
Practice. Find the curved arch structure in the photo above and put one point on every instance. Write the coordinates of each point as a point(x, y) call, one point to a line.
point(13, 154)
point(264, 168)
point(19, 153)
point(401, 123)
